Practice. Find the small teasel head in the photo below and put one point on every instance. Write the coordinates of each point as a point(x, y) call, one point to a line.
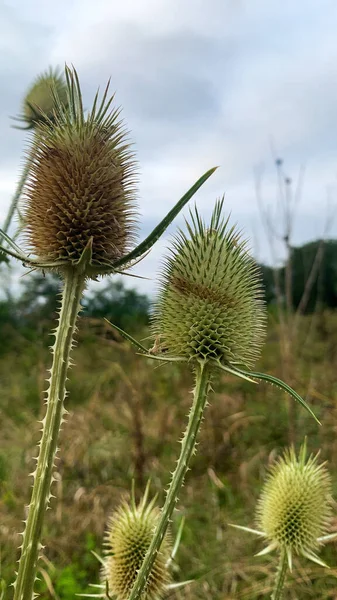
point(210, 303)
point(81, 185)
point(39, 103)
point(127, 539)
point(295, 507)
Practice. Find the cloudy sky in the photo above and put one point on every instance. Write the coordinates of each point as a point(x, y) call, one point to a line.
point(234, 83)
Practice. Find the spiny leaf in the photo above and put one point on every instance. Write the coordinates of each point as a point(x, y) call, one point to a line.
point(159, 230)
point(12, 244)
point(128, 337)
point(234, 371)
point(283, 386)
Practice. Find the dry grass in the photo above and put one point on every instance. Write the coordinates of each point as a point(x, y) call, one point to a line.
point(125, 417)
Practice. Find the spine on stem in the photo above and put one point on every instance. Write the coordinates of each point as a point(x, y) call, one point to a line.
point(72, 291)
point(187, 449)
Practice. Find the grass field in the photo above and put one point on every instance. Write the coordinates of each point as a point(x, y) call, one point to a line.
point(125, 419)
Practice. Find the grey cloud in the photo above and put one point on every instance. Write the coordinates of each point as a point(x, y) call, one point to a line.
point(163, 84)
point(24, 52)
point(209, 85)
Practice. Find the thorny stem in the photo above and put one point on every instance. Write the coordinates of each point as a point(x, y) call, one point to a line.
point(74, 282)
point(280, 577)
point(18, 192)
point(187, 448)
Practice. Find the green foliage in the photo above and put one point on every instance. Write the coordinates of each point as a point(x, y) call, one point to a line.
point(324, 290)
point(28, 317)
point(124, 306)
point(66, 582)
point(319, 256)
point(3, 258)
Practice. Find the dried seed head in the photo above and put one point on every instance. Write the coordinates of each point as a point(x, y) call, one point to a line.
point(294, 509)
point(210, 299)
point(39, 103)
point(128, 537)
point(80, 189)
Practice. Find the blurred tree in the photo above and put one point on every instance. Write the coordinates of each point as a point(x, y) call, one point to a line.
point(29, 313)
point(38, 299)
point(125, 307)
point(324, 286)
point(268, 283)
point(316, 261)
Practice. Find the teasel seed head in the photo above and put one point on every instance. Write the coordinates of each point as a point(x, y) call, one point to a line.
point(128, 537)
point(39, 103)
point(81, 186)
point(210, 297)
point(295, 507)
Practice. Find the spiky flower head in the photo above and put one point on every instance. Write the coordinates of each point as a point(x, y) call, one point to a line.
point(294, 510)
point(210, 299)
point(39, 103)
point(80, 190)
point(128, 537)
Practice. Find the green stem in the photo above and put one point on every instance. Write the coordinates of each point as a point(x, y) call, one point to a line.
point(72, 292)
point(17, 194)
point(280, 577)
point(187, 449)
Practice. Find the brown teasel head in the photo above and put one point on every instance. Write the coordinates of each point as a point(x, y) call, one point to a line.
point(81, 186)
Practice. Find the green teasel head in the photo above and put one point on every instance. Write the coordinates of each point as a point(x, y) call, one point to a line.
point(127, 539)
point(294, 510)
point(210, 307)
point(210, 303)
point(39, 103)
point(80, 192)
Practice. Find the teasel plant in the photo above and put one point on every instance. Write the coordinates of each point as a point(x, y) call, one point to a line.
point(210, 314)
point(37, 108)
point(80, 220)
point(127, 538)
point(294, 511)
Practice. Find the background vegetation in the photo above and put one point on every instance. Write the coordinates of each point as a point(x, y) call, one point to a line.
point(126, 415)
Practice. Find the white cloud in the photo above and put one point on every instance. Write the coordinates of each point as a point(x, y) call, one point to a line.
point(202, 84)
